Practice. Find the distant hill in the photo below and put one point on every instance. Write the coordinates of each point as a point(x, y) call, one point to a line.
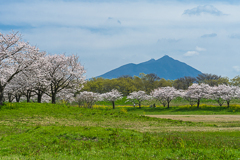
point(165, 67)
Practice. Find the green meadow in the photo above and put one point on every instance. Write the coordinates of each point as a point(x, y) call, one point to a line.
point(59, 131)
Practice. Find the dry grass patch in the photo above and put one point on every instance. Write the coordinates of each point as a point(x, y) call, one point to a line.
point(201, 118)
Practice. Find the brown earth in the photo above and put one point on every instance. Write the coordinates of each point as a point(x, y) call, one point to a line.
point(221, 123)
point(201, 118)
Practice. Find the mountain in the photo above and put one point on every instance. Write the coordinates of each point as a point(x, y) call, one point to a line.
point(165, 67)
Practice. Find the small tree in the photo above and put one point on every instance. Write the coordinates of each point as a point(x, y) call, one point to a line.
point(196, 92)
point(231, 93)
point(112, 96)
point(165, 95)
point(88, 98)
point(218, 93)
point(138, 97)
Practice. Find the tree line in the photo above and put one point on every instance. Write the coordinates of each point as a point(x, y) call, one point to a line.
point(221, 94)
point(147, 82)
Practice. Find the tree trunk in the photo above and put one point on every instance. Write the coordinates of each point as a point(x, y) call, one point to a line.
point(198, 102)
point(1, 98)
point(113, 103)
point(228, 104)
point(18, 98)
point(28, 96)
point(39, 95)
point(168, 104)
point(10, 98)
point(139, 104)
point(39, 98)
point(54, 98)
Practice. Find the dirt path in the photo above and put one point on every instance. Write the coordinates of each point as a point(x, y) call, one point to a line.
point(201, 118)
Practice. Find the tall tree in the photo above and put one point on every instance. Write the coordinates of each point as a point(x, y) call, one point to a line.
point(210, 79)
point(16, 56)
point(63, 72)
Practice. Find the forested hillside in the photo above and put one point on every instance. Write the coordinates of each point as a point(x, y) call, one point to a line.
point(148, 82)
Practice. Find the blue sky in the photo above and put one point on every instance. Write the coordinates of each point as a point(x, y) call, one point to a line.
point(107, 34)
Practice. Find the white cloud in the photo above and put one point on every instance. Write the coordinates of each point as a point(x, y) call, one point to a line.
point(207, 9)
point(209, 35)
point(196, 52)
point(235, 36)
point(236, 68)
point(200, 49)
point(191, 53)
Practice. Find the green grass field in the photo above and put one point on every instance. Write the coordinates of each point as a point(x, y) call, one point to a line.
point(175, 102)
point(47, 131)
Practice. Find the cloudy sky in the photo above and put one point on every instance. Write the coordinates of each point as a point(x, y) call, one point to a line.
point(106, 34)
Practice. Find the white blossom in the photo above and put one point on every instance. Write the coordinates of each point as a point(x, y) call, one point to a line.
point(196, 92)
point(112, 96)
point(165, 95)
point(88, 98)
point(138, 97)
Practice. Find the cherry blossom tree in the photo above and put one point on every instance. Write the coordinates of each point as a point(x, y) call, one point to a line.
point(63, 72)
point(112, 96)
point(37, 77)
point(137, 97)
point(231, 92)
point(196, 92)
point(16, 56)
point(25, 83)
point(219, 92)
point(88, 98)
point(165, 95)
point(10, 91)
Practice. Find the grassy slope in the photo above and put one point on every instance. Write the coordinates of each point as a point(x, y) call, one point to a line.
point(46, 131)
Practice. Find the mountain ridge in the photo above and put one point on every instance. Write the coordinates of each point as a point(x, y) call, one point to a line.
point(165, 67)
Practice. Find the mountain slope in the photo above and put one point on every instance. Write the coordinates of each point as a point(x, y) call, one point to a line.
point(165, 67)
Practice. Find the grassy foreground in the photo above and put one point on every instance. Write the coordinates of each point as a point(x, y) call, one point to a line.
point(46, 131)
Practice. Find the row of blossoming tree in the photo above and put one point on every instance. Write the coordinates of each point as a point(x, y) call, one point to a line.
point(194, 94)
point(25, 71)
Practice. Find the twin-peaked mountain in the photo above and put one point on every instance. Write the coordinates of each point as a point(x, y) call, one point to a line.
point(165, 67)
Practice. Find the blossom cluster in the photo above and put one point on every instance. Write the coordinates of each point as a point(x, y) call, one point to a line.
point(26, 72)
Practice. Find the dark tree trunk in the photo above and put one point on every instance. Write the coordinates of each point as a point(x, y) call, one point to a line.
point(228, 104)
point(18, 98)
point(39, 98)
point(10, 97)
point(198, 102)
point(28, 95)
point(1, 98)
point(139, 104)
point(54, 93)
point(168, 104)
point(113, 103)
point(54, 98)
point(39, 95)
